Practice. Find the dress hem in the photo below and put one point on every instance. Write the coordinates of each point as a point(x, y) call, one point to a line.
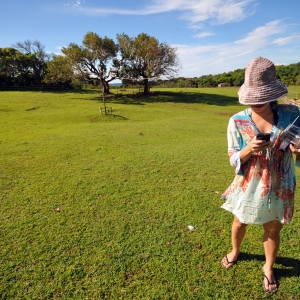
point(249, 223)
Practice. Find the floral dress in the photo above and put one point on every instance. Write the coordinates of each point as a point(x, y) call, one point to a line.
point(264, 186)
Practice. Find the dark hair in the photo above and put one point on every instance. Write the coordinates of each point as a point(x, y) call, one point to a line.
point(274, 107)
point(281, 167)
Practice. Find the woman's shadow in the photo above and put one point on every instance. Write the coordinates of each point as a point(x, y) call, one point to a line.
point(290, 267)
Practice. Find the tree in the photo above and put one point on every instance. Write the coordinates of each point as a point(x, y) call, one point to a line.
point(90, 61)
point(59, 71)
point(207, 81)
point(144, 58)
point(238, 81)
point(34, 60)
point(9, 66)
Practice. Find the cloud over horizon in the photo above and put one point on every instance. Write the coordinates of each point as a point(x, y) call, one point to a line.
point(203, 57)
point(193, 11)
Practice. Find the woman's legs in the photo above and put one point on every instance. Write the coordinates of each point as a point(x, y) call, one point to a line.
point(271, 244)
point(238, 232)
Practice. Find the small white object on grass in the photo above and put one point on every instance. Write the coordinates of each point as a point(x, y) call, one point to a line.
point(191, 228)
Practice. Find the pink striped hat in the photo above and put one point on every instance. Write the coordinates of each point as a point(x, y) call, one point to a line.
point(261, 85)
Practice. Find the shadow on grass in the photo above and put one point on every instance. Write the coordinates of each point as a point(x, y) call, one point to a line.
point(169, 96)
point(156, 96)
point(67, 91)
point(108, 117)
point(118, 117)
point(290, 266)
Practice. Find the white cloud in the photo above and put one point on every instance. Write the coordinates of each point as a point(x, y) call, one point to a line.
point(234, 11)
point(201, 10)
point(195, 26)
point(74, 3)
point(194, 11)
point(203, 34)
point(210, 59)
point(262, 33)
point(284, 41)
point(218, 11)
point(190, 51)
point(112, 11)
point(199, 14)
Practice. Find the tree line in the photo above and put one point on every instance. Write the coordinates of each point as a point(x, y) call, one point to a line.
point(141, 60)
point(289, 75)
point(98, 61)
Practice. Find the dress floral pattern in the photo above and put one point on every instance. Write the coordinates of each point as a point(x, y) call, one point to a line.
point(263, 187)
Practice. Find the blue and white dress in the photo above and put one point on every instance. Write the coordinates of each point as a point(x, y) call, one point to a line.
point(263, 187)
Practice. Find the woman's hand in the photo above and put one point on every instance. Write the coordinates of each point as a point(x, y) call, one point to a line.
point(258, 145)
point(294, 150)
point(253, 146)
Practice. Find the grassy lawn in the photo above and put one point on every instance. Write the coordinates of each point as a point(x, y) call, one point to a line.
point(97, 207)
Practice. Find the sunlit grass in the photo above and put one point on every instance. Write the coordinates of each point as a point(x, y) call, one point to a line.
point(97, 207)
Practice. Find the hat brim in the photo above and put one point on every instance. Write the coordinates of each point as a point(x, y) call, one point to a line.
point(263, 94)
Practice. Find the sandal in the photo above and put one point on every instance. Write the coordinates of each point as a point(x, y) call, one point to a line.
point(228, 263)
point(269, 283)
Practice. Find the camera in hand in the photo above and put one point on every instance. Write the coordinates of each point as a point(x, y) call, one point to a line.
point(263, 136)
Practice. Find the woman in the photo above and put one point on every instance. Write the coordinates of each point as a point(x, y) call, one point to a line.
point(263, 188)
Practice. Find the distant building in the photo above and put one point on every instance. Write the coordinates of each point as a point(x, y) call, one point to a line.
point(223, 84)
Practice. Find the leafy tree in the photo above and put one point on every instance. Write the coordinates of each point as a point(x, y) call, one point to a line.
point(297, 80)
point(59, 71)
point(238, 81)
point(9, 66)
point(207, 81)
point(33, 62)
point(144, 58)
point(90, 61)
point(288, 74)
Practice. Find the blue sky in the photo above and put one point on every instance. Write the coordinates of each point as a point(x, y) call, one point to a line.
point(211, 36)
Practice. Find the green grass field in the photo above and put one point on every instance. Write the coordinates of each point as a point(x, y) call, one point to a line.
point(97, 207)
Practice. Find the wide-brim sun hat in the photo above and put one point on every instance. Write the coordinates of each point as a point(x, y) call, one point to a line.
point(260, 85)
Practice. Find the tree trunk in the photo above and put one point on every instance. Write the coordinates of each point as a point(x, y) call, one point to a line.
point(104, 103)
point(146, 86)
point(105, 87)
point(108, 81)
